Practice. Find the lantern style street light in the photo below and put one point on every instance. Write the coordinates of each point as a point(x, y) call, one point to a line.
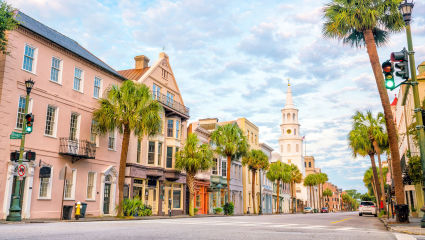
point(406, 9)
point(29, 84)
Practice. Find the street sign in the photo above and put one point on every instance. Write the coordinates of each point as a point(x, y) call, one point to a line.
point(21, 170)
point(16, 135)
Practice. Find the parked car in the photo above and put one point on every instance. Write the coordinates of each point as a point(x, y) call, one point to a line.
point(324, 210)
point(308, 210)
point(367, 208)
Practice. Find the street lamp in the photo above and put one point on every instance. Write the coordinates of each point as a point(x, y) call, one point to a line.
point(406, 10)
point(15, 209)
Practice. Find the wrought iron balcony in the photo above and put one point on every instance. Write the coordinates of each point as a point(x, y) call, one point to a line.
point(170, 104)
point(77, 149)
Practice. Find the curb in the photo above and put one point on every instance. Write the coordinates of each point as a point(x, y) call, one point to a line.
point(391, 229)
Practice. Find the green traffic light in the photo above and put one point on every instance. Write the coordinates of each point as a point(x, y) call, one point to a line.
point(389, 84)
point(28, 129)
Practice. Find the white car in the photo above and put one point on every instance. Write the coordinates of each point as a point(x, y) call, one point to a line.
point(368, 208)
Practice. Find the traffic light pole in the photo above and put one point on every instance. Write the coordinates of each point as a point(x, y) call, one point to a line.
point(418, 109)
point(15, 209)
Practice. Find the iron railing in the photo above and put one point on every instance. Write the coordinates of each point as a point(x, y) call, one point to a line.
point(77, 148)
point(167, 101)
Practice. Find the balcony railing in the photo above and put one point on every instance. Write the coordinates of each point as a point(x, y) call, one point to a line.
point(169, 102)
point(77, 149)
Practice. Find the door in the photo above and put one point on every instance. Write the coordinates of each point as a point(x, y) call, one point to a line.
point(106, 198)
point(152, 200)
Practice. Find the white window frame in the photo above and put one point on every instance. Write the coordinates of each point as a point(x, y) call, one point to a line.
point(81, 90)
point(17, 111)
point(34, 62)
point(94, 186)
point(97, 135)
point(77, 132)
point(59, 73)
point(115, 141)
point(55, 122)
point(100, 87)
point(74, 182)
point(49, 188)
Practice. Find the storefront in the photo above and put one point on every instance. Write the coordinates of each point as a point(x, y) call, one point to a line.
point(201, 196)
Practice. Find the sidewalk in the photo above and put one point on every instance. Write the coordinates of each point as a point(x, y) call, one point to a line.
point(413, 227)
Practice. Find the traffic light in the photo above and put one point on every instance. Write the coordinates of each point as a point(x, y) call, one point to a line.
point(401, 60)
point(29, 119)
point(388, 69)
point(29, 155)
point(14, 156)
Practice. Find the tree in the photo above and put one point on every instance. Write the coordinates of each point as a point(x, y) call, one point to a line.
point(353, 194)
point(296, 177)
point(277, 173)
point(369, 181)
point(368, 23)
point(129, 108)
point(7, 23)
point(311, 181)
point(255, 160)
point(327, 193)
point(231, 143)
point(193, 159)
point(322, 178)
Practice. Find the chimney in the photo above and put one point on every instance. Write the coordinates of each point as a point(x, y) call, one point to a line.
point(141, 61)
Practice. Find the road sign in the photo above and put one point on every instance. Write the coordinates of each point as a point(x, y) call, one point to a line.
point(21, 170)
point(16, 135)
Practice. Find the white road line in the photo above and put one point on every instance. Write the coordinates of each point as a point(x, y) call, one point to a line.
point(400, 236)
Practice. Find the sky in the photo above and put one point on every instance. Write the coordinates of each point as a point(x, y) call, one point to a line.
point(232, 59)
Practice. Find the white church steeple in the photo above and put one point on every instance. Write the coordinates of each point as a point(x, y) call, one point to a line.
point(289, 103)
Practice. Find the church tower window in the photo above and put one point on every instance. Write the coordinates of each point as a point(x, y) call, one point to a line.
point(289, 147)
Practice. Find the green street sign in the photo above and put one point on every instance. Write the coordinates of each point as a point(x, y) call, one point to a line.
point(16, 135)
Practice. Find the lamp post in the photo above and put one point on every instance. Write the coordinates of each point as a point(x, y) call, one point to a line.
point(406, 9)
point(15, 209)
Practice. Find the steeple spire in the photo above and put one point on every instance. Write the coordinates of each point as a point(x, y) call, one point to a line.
point(289, 103)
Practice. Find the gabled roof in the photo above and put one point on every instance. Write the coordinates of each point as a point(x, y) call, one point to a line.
point(63, 41)
point(133, 74)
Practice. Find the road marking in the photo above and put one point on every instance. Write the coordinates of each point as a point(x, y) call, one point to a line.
point(404, 237)
point(345, 219)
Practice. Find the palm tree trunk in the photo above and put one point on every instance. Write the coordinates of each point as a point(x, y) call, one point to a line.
point(389, 120)
point(311, 197)
point(294, 202)
point(190, 181)
point(374, 187)
point(278, 198)
point(376, 179)
point(121, 173)
point(253, 191)
point(314, 198)
point(229, 163)
point(381, 174)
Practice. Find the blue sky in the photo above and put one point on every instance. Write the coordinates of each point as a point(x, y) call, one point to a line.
point(232, 58)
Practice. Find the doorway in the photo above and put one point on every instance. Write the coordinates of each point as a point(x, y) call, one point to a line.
point(21, 190)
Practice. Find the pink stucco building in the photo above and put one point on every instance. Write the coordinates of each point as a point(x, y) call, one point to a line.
point(69, 80)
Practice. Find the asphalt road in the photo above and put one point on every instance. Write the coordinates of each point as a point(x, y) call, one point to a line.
point(299, 226)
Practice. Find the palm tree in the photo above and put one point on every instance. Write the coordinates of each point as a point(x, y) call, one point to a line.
point(327, 193)
point(296, 177)
point(378, 138)
point(231, 143)
point(368, 180)
point(322, 178)
point(128, 108)
point(193, 159)
point(310, 181)
point(256, 160)
point(277, 173)
point(360, 144)
point(368, 23)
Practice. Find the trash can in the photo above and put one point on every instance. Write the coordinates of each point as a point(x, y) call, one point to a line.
point(83, 209)
point(402, 212)
point(67, 212)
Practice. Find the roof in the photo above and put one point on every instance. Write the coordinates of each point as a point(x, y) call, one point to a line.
point(133, 74)
point(63, 41)
point(394, 103)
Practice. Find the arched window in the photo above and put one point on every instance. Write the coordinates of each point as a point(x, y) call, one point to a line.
point(293, 116)
point(298, 148)
point(295, 131)
point(288, 116)
point(289, 147)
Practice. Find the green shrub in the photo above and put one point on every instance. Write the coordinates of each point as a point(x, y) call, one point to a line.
point(228, 208)
point(382, 213)
point(196, 210)
point(135, 207)
point(218, 210)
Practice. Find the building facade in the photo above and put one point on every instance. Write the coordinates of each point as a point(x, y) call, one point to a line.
point(72, 163)
point(265, 184)
point(150, 171)
point(333, 203)
point(313, 195)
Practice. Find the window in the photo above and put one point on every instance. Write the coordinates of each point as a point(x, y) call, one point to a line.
point(177, 129)
point(164, 74)
point(293, 116)
point(223, 169)
point(297, 148)
point(97, 87)
point(73, 128)
point(78, 78)
point(170, 128)
point(29, 58)
point(55, 71)
point(21, 112)
point(176, 198)
point(169, 157)
point(309, 164)
point(151, 153)
point(70, 186)
point(214, 167)
point(139, 148)
point(295, 132)
point(93, 133)
point(289, 148)
point(159, 153)
point(45, 186)
point(91, 186)
point(305, 164)
point(156, 91)
point(170, 99)
point(50, 121)
point(111, 140)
